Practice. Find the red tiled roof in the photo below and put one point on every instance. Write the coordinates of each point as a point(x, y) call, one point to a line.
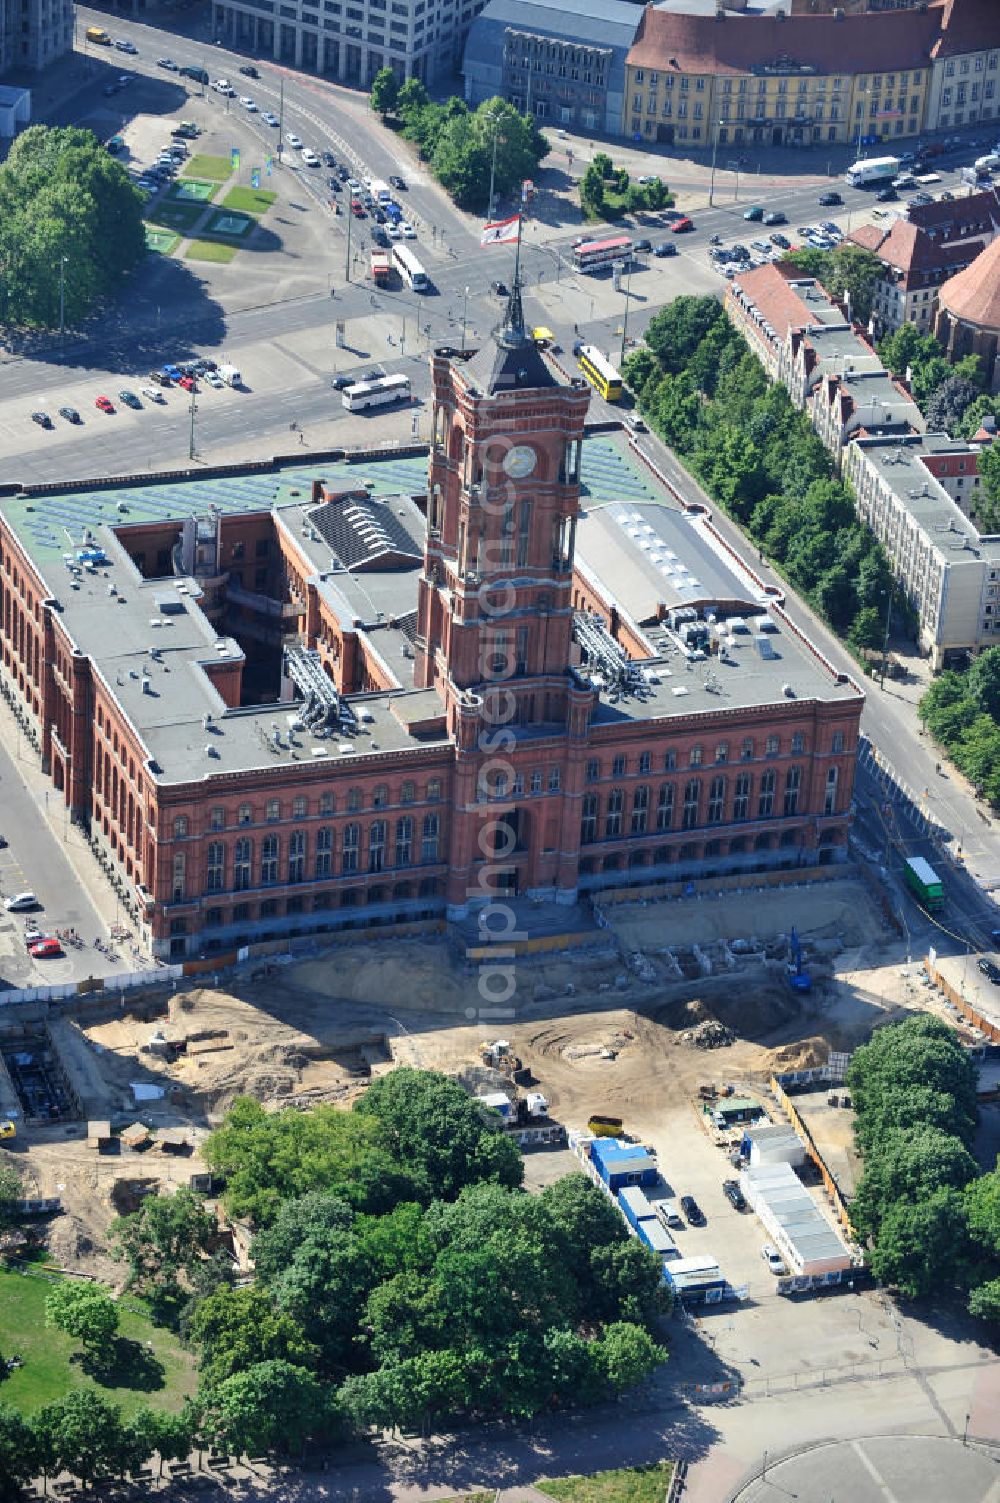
point(967, 26)
point(958, 218)
point(769, 289)
point(974, 294)
point(867, 43)
point(911, 251)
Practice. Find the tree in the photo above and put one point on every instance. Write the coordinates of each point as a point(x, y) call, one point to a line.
point(412, 98)
point(235, 1329)
point(627, 1354)
point(675, 333)
point(989, 474)
point(439, 1132)
point(972, 418)
point(908, 1165)
point(11, 1191)
point(867, 628)
point(82, 1432)
point(20, 1458)
point(922, 1246)
point(272, 1406)
point(63, 196)
point(947, 406)
point(85, 1311)
point(983, 681)
point(161, 1242)
point(297, 1221)
point(922, 1051)
point(385, 92)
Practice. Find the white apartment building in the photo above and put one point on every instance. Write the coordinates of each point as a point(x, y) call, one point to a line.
point(34, 33)
point(964, 83)
point(351, 40)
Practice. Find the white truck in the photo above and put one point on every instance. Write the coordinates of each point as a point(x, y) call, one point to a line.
point(872, 170)
point(230, 375)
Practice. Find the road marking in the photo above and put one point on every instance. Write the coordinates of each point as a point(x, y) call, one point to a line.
point(874, 1473)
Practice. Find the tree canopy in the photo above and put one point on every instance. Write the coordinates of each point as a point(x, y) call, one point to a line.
point(962, 712)
point(71, 225)
point(848, 271)
point(459, 144)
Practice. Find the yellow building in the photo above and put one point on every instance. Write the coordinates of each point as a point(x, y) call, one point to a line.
point(778, 80)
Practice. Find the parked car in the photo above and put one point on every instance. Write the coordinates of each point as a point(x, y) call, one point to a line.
point(292, 140)
point(775, 217)
point(682, 225)
point(341, 382)
point(409, 233)
point(692, 1210)
point(168, 63)
point(781, 241)
point(642, 245)
point(105, 404)
point(828, 200)
point(397, 182)
point(634, 423)
point(153, 394)
point(772, 1257)
point(129, 399)
point(665, 248)
point(731, 1190)
point(249, 71)
point(42, 419)
point(188, 383)
point(19, 901)
point(991, 971)
point(70, 414)
point(46, 948)
point(755, 212)
point(886, 196)
point(270, 119)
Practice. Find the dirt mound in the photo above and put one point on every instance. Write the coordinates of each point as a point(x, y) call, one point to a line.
point(809, 1054)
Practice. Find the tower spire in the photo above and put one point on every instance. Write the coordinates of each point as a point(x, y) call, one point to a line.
point(512, 334)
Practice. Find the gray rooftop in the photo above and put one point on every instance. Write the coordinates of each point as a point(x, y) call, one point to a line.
point(923, 497)
point(607, 23)
point(795, 1211)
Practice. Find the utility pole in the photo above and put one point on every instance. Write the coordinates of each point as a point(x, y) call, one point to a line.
point(715, 153)
point(628, 294)
point(465, 300)
point(347, 271)
point(885, 640)
point(193, 409)
point(281, 118)
point(62, 295)
point(495, 120)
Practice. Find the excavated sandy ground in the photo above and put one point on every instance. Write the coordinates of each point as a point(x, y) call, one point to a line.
point(606, 1029)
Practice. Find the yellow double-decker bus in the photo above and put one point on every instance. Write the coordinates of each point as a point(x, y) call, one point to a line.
point(600, 372)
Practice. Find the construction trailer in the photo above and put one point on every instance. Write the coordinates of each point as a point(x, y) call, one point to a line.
point(697, 1281)
point(619, 1164)
point(735, 1110)
point(772, 1143)
point(808, 1242)
point(641, 1216)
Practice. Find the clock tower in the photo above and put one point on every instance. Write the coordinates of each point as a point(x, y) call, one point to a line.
point(495, 599)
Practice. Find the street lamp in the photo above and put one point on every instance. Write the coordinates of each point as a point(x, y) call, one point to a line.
point(628, 294)
point(885, 640)
point(465, 300)
point(715, 151)
point(495, 122)
point(62, 295)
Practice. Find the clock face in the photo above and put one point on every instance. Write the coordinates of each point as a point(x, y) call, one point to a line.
point(519, 462)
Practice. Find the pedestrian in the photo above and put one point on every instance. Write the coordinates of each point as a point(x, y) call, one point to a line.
point(302, 437)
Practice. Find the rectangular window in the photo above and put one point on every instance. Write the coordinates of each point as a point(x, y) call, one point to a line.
point(837, 743)
point(741, 797)
point(692, 798)
point(430, 837)
point(618, 767)
point(297, 856)
point(536, 782)
point(215, 867)
point(772, 746)
point(273, 811)
point(669, 760)
point(665, 807)
point(593, 771)
point(798, 743)
point(613, 820)
point(217, 819)
point(716, 800)
point(553, 780)
point(180, 862)
point(644, 761)
point(640, 810)
point(830, 796)
point(404, 841)
point(324, 852)
point(242, 856)
point(793, 783)
point(722, 752)
point(269, 859)
point(765, 802)
point(588, 820)
point(376, 846)
point(349, 851)
point(694, 757)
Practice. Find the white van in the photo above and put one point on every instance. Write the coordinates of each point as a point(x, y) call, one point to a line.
point(230, 375)
point(988, 163)
point(20, 900)
point(669, 1213)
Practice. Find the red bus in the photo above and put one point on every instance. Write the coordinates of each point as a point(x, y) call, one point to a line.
point(594, 255)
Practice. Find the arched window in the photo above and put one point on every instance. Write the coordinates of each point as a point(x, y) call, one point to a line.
point(324, 851)
point(242, 862)
point(430, 837)
point(215, 868)
point(297, 856)
point(268, 860)
point(349, 853)
point(404, 841)
point(376, 846)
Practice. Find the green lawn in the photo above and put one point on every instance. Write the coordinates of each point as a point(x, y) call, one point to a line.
point(250, 200)
point(164, 242)
point(176, 216)
point(633, 1484)
point(203, 165)
point(150, 1365)
point(210, 250)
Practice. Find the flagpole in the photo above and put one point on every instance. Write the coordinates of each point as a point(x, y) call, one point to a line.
point(517, 253)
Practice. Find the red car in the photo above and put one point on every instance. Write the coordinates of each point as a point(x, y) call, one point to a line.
point(358, 208)
point(46, 948)
point(680, 225)
point(105, 404)
point(188, 383)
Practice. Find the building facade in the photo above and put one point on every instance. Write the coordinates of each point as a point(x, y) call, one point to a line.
point(965, 65)
point(798, 80)
point(279, 709)
point(351, 40)
point(968, 320)
point(566, 67)
point(34, 33)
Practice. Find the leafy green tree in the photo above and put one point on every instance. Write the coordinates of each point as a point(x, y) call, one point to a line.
point(628, 1283)
point(983, 681)
point(989, 474)
point(81, 1432)
point(971, 420)
point(20, 1458)
point(592, 192)
point(11, 1190)
point(984, 1301)
point(867, 628)
point(922, 1051)
point(603, 164)
point(907, 349)
point(384, 92)
point(675, 333)
point(627, 1354)
point(84, 1311)
point(908, 1165)
point(906, 1107)
point(269, 1158)
point(439, 1132)
point(272, 1406)
point(638, 369)
point(162, 1242)
point(412, 98)
point(298, 1221)
point(922, 1246)
point(949, 403)
point(237, 1328)
point(325, 1288)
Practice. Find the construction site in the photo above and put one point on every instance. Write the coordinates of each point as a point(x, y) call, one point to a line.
point(112, 1097)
